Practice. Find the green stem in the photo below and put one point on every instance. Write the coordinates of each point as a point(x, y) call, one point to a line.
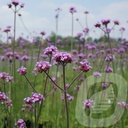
point(65, 99)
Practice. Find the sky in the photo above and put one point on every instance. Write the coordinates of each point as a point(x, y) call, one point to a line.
point(39, 15)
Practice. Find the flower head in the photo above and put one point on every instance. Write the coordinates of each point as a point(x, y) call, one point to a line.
point(72, 10)
point(85, 66)
point(3, 97)
point(123, 104)
point(88, 103)
point(62, 58)
point(42, 66)
point(97, 74)
point(20, 123)
point(22, 71)
point(15, 2)
point(50, 50)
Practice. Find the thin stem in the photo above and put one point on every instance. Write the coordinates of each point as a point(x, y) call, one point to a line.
point(35, 115)
point(75, 79)
point(72, 34)
point(30, 83)
point(53, 81)
point(65, 99)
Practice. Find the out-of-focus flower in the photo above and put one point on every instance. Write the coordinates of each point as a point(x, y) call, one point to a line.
point(3, 97)
point(97, 74)
point(104, 84)
point(42, 66)
point(85, 66)
point(20, 123)
point(62, 58)
point(22, 71)
point(72, 10)
point(123, 104)
point(88, 103)
point(68, 96)
point(50, 50)
point(108, 69)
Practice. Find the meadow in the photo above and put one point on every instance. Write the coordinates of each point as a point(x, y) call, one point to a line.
point(44, 83)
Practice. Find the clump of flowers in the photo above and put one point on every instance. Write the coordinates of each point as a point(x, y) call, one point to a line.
point(22, 71)
point(62, 58)
point(88, 103)
point(42, 66)
point(85, 66)
point(34, 98)
point(50, 50)
point(97, 74)
point(68, 96)
point(123, 104)
point(20, 123)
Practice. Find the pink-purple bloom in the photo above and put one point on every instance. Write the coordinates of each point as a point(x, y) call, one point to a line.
point(123, 104)
point(22, 71)
point(20, 123)
point(85, 66)
point(88, 103)
point(97, 74)
point(42, 66)
point(50, 50)
point(72, 10)
point(62, 58)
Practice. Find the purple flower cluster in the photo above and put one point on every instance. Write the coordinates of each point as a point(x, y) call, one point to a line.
point(62, 58)
point(4, 99)
point(108, 69)
point(50, 50)
point(5, 76)
point(42, 66)
point(109, 58)
point(25, 58)
point(68, 96)
point(22, 71)
point(20, 123)
point(97, 74)
point(34, 98)
point(72, 10)
point(85, 66)
point(123, 104)
point(88, 103)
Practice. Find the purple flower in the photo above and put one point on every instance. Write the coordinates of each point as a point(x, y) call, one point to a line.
point(22, 71)
point(24, 58)
point(62, 58)
point(50, 50)
point(9, 79)
point(98, 25)
point(2, 58)
point(97, 74)
point(42, 66)
point(9, 54)
point(104, 84)
point(9, 103)
point(116, 22)
point(105, 22)
point(72, 10)
point(88, 103)
point(20, 123)
point(43, 33)
point(109, 58)
point(108, 69)
point(85, 66)
point(3, 97)
point(3, 75)
point(15, 2)
point(79, 34)
point(37, 97)
point(69, 97)
point(123, 104)
point(22, 5)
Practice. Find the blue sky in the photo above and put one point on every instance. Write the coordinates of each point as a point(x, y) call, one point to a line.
point(39, 15)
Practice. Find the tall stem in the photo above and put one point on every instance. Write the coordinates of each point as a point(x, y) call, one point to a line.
point(15, 11)
point(65, 99)
point(72, 33)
